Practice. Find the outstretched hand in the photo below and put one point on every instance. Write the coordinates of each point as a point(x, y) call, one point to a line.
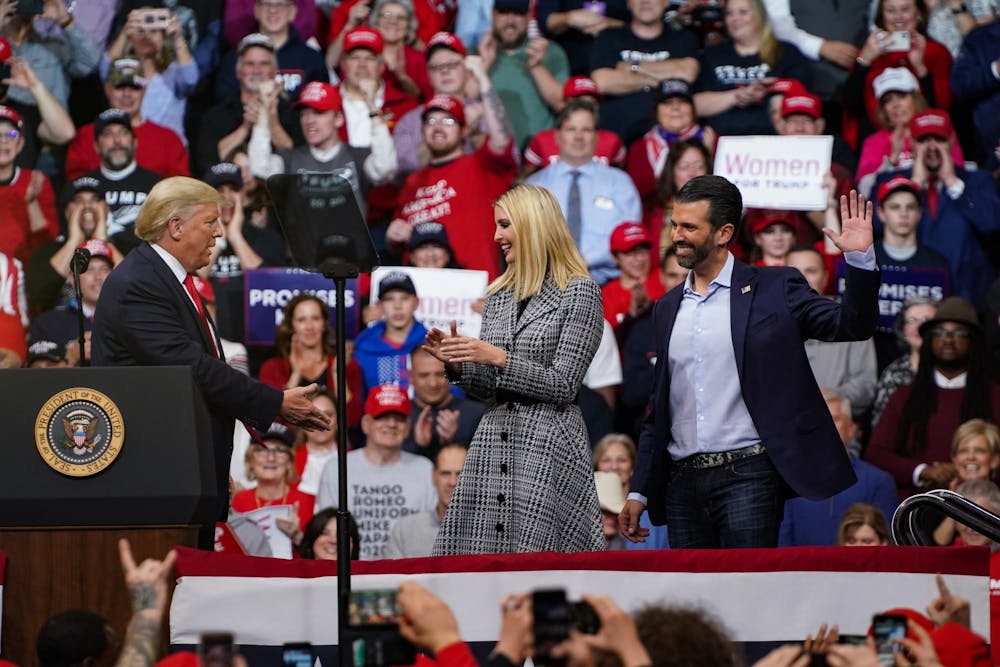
point(856, 233)
point(297, 409)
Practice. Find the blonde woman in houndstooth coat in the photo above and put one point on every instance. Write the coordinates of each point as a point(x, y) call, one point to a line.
point(527, 484)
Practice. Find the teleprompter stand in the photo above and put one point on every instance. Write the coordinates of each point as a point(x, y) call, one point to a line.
point(327, 234)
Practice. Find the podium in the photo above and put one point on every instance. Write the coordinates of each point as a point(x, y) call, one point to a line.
point(92, 455)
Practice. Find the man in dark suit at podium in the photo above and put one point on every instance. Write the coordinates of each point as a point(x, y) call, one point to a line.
point(149, 314)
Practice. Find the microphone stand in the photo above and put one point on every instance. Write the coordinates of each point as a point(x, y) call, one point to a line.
point(79, 264)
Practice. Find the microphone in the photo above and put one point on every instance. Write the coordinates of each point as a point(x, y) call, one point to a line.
point(80, 261)
point(78, 265)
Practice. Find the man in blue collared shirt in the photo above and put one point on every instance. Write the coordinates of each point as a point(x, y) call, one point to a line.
point(606, 196)
point(736, 423)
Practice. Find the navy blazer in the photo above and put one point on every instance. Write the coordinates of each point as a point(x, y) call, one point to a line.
point(144, 317)
point(772, 311)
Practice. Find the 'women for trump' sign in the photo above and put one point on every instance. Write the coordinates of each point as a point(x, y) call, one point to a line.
point(784, 173)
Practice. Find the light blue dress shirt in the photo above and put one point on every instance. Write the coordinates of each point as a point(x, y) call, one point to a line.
point(608, 198)
point(706, 399)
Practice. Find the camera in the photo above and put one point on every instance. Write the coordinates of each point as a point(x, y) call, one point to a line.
point(887, 629)
point(898, 41)
point(215, 649)
point(373, 630)
point(154, 19)
point(299, 654)
point(553, 616)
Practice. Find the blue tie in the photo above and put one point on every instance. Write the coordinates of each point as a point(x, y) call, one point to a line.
point(573, 208)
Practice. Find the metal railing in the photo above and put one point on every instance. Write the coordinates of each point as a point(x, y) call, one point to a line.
point(908, 530)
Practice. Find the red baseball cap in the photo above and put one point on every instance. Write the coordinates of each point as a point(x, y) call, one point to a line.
point(759, 219)
point(448, 104)
point(320, 96)
point(894, 184)
point(576, 86)
point(444, 40)
point(363, 37)
point(99, 248)
point(802, 102)
point(13, 117)
point(5, 51)
point(786, 87)
point(387, 398)
point(627, 236)
point(931, 123)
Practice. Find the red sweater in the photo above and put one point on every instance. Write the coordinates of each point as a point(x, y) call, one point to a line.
point(275, 373)
point(247, 501)
point(940, 429)
point(157, 148)
point(16, 238)
point(460, 194)
point(618, 299)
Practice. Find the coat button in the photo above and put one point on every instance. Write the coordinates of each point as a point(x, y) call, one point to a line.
point(504, 436)
point(510, 405)
point(503, 468)
point(501, 498)
point(499, 527)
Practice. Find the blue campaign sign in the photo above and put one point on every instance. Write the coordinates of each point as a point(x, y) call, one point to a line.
point(266, 291)
point(899, 282)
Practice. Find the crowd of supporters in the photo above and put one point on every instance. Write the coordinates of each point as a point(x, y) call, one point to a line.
point(430, 110)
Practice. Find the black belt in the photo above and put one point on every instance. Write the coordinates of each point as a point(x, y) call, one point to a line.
point(512, 397)
point(714, 459)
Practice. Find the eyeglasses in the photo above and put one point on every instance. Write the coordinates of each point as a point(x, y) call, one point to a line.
point(273, 4)
point(394, 16)
point(277, 452)
point(446, 67)
point(957, 334)
point(447, 121)
point(915, 320)
point(9, 135)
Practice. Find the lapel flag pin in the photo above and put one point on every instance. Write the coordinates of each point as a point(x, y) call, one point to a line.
point(745, 289)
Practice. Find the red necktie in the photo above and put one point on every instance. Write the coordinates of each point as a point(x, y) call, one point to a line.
point(932, 195)
point(189, 286)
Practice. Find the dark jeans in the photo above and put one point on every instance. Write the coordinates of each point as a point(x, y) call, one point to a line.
point(730, 506)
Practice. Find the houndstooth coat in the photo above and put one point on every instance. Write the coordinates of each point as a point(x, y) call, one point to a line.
point(528, 482)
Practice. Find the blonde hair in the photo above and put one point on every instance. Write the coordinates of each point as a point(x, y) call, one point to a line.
point(975, 427)
point(770, 48)
point(544, 245)
point(174, 197)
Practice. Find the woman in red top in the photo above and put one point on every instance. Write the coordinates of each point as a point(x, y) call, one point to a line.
point(404, 65)
point(306, 354)
point(885, 47)
point(270, 463)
